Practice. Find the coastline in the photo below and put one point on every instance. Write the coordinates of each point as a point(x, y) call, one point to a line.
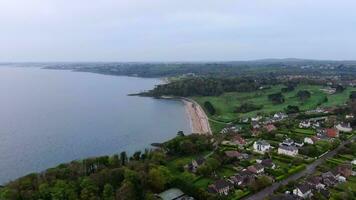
point(199, 121)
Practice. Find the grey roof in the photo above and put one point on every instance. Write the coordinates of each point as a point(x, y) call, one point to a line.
point(171, 194)
point(288, 148)
point(262, 142)
point(200, 160)
point(267, 162)
point(304, 188)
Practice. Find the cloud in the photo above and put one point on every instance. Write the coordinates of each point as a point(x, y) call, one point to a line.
point(161, 30)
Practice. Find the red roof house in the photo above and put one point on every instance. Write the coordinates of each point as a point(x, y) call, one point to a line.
point(270, 127)
point(332, 132)
point(237, 139)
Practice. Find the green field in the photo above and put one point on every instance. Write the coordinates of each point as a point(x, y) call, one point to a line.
point(227, 103)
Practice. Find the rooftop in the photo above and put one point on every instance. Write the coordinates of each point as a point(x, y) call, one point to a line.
point(171, 194)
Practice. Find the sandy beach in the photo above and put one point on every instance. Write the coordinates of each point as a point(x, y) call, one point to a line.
point(199, 121)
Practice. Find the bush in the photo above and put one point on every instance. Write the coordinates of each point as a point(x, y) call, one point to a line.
point(292, 109)
point(303, 95)
point(248, 107)
point(276, 98)
point(209, 107)
point(291, 172)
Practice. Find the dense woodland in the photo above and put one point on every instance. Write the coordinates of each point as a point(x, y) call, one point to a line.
point(201, 86)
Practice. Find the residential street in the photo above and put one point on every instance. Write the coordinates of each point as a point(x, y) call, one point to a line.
point(308, 170)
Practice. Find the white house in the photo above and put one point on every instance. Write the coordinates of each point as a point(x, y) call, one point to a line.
point(261, 146)
point(256, 119)
point(303, 191)
point(310, 140)
point(341, 179)
point(350, 116)
point(288, 150)
point(343, 127)
point(353, 162)
point(304, 124)
point(288, 142)
point(299, 144)
point(280, 116)
point(255, 125)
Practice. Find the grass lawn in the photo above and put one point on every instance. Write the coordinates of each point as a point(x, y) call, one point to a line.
point(216, 127)
point(238, 194)
point(306, 132)
point(345, 157)
point(225, 172)
point(227, 102)
point(340, 98)
point(173, 164)
point(203, 182)
point(335, 161)
point(349, 185)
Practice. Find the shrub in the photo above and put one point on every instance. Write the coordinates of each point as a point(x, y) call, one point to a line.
point(209, 107)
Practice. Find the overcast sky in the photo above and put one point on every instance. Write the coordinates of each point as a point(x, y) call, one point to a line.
point(176, 30)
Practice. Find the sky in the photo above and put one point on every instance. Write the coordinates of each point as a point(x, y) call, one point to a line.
point(176, 30)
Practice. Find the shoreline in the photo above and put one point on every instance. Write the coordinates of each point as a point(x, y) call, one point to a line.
point(199, 121)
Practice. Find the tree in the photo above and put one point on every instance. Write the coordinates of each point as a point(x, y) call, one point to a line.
point(335, 143)
point(158, 178)
point(134, 177)
point(289, 88)
point(353, 95)
point(8, 193)
point(309, 150)
point(209, 107)
point(260, 183)
point(136, 155)
point(248, 107)
point(44, 191)
point(114, 161)
point(108, 192)
point(63, 191)
point(303, 95)
point(89, 189)
point(339, 88)
point(276, 98)
point(123, 158)
point(204, 170)
point(158, 157)
point(292, 109)
point(126, 191)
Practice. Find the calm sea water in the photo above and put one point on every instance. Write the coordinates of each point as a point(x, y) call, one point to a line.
point(49, 117)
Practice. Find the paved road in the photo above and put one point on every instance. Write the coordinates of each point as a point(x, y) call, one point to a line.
point(308, 170)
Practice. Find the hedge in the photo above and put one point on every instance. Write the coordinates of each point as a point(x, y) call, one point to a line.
point(291, 172)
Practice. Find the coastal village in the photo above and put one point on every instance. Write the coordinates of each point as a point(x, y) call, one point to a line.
point(279, 147)
point(275, 141)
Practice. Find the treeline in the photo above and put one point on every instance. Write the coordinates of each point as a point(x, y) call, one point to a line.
point(203, 86)
point(345, 69)
point(116, 177)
